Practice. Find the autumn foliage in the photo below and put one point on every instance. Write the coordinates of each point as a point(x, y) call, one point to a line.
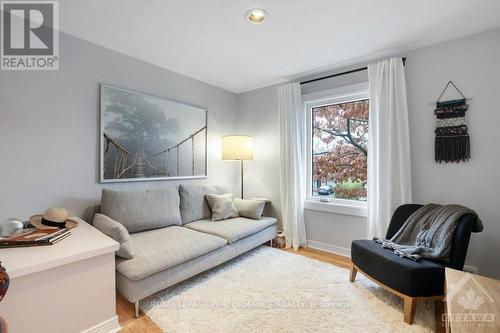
point(340, 150)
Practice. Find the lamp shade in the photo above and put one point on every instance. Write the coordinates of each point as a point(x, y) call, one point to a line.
point(237, 147)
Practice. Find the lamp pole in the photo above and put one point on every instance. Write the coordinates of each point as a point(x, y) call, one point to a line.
point(241, 178)
point(238, 148)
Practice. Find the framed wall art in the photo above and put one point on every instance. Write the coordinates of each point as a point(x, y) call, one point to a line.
point(145, 137)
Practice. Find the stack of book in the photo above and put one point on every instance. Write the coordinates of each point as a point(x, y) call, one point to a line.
point(34, 237)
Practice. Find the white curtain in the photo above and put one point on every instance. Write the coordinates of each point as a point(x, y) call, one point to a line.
point(292, 175)
point(389, 169)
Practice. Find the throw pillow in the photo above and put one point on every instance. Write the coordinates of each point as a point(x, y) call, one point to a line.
point(249, 208)
point(194, 207)
point(117, 231)
point(222, 206)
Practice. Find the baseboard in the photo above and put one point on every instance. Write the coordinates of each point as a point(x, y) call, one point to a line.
point(347, 252)
point(108, 326)
point(471, 269)
point(329, 248)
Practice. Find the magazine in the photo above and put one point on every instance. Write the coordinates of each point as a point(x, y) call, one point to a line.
point(34, 237)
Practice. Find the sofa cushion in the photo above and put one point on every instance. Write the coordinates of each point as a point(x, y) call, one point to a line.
point(142, 210)
point(160, 249)
point(232, 229)
point(412, 278)
point(193, 205)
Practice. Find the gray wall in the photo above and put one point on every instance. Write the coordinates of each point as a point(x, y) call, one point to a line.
point(49, 127)
point(258, 116)
point(49, 135)
point(473, 63)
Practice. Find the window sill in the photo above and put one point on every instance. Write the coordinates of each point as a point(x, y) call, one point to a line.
point(337, 207)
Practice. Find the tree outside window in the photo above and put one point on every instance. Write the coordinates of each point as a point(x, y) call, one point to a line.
point(340, 150)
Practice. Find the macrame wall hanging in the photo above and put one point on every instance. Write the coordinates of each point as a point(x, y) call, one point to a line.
point(452, 142)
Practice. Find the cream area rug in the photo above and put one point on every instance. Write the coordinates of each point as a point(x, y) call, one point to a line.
point(270, 290)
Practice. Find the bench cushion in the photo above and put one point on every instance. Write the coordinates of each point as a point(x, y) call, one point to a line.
point(159, 249)
point(232, 229)
point(142, 210)
point(412, 278)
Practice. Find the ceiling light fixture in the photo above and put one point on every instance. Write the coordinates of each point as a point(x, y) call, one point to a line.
point(256, 16)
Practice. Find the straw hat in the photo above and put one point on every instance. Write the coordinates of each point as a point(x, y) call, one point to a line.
point(53, 218)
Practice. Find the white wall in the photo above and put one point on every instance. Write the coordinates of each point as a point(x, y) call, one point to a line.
point(473, 63)
point(49, 127)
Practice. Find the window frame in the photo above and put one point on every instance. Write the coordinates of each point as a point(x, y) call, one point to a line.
point(344, 94)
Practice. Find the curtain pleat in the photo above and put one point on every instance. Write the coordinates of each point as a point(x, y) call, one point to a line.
point(389, 165)
point(292, 176)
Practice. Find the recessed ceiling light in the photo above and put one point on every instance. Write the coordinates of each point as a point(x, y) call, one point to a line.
point(256, 16)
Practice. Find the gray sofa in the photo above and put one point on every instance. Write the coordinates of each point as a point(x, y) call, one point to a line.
point(174, 237)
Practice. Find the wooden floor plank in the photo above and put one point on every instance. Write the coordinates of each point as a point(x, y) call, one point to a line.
point(335, 259)
point(125, 312)
point(140, 325)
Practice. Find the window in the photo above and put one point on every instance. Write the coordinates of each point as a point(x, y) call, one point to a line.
point(338, 147)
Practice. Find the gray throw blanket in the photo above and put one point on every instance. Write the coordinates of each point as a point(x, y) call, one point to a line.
point(428, 232)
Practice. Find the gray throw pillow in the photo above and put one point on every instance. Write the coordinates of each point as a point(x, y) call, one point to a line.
point(251, 209)
point(222, 206)
point(115, 230)
point(193, 205)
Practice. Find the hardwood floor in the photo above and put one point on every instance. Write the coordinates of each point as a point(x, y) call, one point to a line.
point(334, 259)
point(125, 313)
point(125, 309)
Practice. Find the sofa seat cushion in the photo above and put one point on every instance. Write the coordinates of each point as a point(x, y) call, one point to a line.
point(412, 278)
point(232, 229)
point(159, 249)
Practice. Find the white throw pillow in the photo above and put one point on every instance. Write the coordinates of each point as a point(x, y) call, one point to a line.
point(222, 206)
point(251, 209)
point(117, 231)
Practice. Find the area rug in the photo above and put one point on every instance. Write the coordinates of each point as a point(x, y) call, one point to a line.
point(270, 290)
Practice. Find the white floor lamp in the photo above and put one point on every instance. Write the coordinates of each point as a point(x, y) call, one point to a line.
point(237, 148)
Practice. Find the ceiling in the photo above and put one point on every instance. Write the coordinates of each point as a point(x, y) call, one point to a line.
point(212, 42)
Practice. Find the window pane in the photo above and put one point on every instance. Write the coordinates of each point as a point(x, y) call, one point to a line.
point(340, 144)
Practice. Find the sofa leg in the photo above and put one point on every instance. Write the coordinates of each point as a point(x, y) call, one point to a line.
point(352, 273)
point(271, 243)
point(410, 304)
point(136, 305)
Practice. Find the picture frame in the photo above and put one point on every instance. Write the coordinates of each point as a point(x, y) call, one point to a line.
point(143, 137)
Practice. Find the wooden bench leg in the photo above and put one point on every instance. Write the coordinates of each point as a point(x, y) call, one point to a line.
point(410, 304)
point(439, 311)
point(352, 273)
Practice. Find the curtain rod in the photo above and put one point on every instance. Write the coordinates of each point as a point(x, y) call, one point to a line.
point(342, 73)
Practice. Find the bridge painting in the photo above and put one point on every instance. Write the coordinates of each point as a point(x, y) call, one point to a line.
point(145, 137)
